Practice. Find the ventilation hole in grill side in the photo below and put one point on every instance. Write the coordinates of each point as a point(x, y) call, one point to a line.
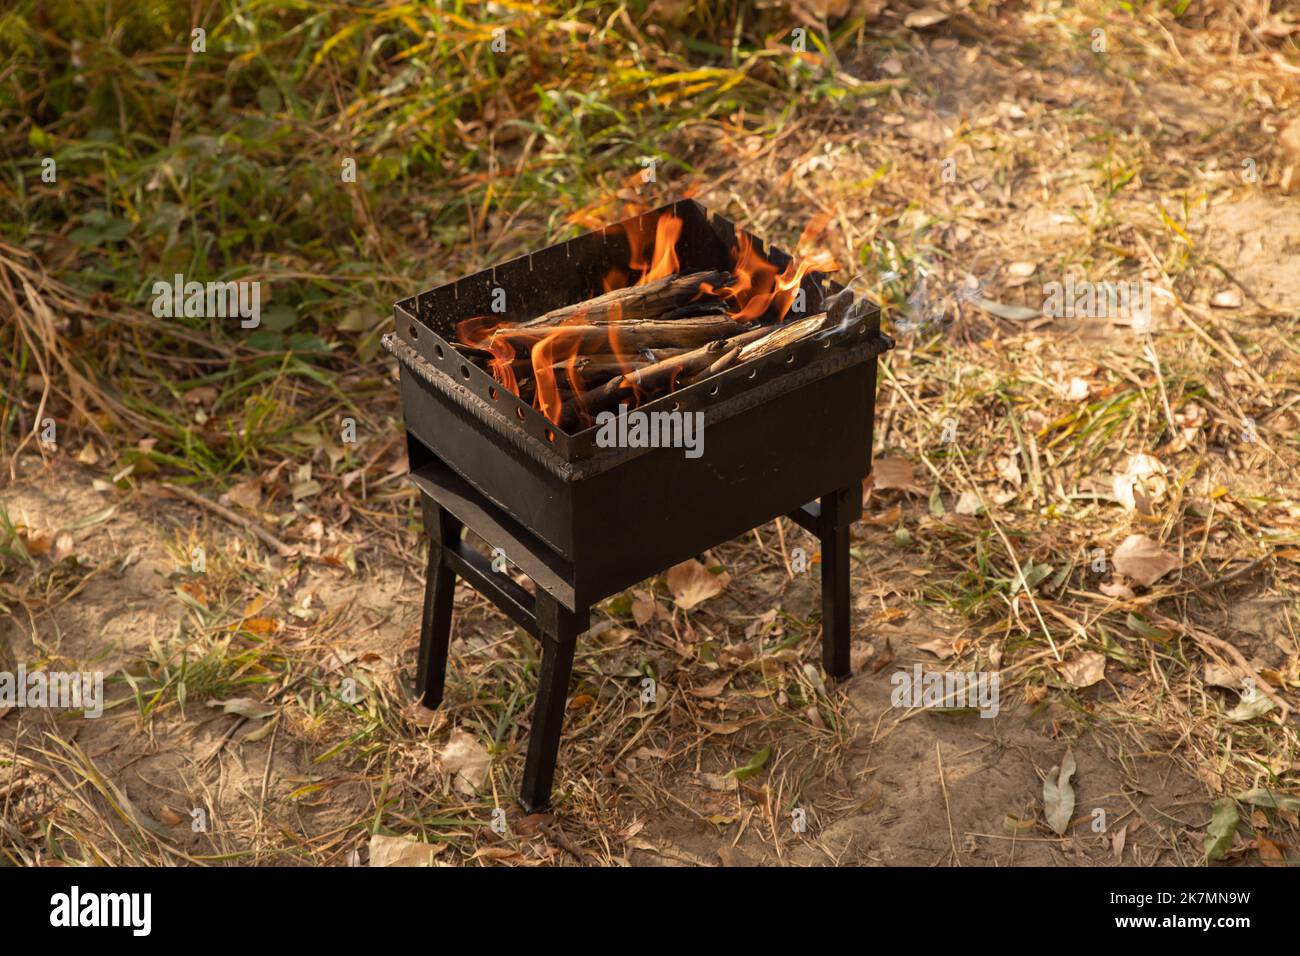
point(414, 332)
point(519, 413)
point(550, 436)
point(676, 406)
point(714, 391)
point(753, 373)
point(437, 350)
point(464, 372)
point(789, 359)
point(493, 393)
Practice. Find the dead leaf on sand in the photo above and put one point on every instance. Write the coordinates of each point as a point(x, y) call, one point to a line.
point(895, 473)
point(467, 760)
point(244, 707)
point(925, 17)
point(730, 856)
point(643, 610)
point(1058, 795)
point(691, 583)
point(170, 817)
point(1121, 592)
point(709, 691)
point(1141, 484)
point(1084, 670)
point(1216, 675)
point(247, 494)
point(35, 541)
point(402, 851)
point(1143, 560)
point(940, 647)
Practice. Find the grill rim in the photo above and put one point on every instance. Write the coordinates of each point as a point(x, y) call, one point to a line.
point(572, 456)
point(549, 457)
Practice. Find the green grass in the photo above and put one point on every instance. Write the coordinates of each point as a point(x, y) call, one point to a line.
point(227, 164)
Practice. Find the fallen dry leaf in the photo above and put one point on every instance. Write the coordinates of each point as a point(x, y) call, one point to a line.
point(1117, 842)
point(258, 625)
point(170, 817)
point(1008, 469)
point(722, 729)
point(202, 395)
point(643, 611)
point(925, 17)
point(885, 615)
point(887, 518)
point(709, 691)
point(1083, 671)
point(1271, 853)
point(502, 854)
point(940, 647)
point(1119, 591)
point(34, 541)
point(1058, 795)
point(467, 760)
point(691, 583)
point(244, 707)
point(422, 716)
point(247, 494)
point(1140, 484)
point(730, 856)
point(895, 473)
point(1143, 560)
point(1216, 675)
point(581, 702)
point(883, 657)
point(402, 851)
point(719, 782)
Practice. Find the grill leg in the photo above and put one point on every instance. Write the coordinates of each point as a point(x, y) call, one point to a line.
point(838, 510)
point(435, 624)
point(559, 636)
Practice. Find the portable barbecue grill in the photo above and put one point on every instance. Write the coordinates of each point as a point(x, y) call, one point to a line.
point(788, 433)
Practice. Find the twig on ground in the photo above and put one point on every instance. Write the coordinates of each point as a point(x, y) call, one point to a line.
point(221, 511)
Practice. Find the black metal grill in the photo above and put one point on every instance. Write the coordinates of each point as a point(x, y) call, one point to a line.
point(585, 522)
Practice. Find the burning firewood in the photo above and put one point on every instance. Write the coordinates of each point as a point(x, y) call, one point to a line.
point(664, 375)
point(596, 366)
point(632, 334)
point(783, 335)
point(721, 365)
point(667, 298)
point(634, 343)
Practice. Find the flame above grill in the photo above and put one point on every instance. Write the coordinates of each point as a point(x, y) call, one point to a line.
point(756, 292)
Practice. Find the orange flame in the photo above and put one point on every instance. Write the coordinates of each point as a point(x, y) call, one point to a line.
point(657, 262)
point(757, 287)
point(665, 263)
point(556, 348)
point(758, 291)
point(477, 333)
point(615, 278)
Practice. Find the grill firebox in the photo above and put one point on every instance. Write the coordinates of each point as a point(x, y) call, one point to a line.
point(786, 434)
